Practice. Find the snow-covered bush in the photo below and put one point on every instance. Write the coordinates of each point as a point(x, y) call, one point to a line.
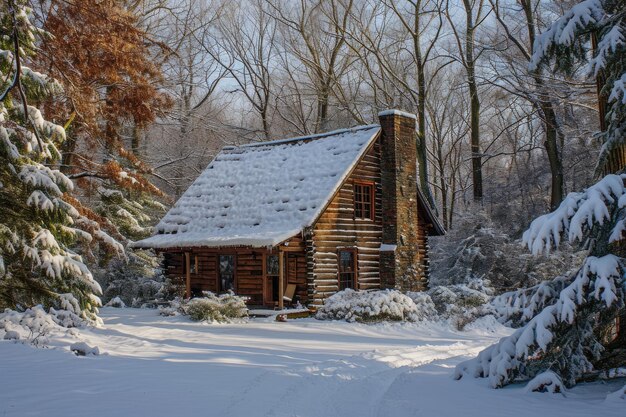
point(461, 303)
point(216, 308)
point(83, 349)
point(35, 324)
point(372, 306)
point(426, 309)
point(116, 302)
point(477, 249)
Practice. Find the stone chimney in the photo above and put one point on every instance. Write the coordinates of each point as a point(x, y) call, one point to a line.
point(399, 255)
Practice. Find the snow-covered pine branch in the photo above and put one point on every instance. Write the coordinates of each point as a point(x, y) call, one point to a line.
point(555, 339)
point(579, 214)
point(595, 28)
point(586, 15)
point(38, 222)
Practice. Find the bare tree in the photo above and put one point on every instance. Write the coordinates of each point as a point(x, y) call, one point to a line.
point(533, 86)
point(245, 46)
point(397, 41)
point(475, 14)
point(314, 34)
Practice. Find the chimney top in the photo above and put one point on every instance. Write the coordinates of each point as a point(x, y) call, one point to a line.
point(395, 112)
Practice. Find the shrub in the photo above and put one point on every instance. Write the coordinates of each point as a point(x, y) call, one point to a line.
point(462, 303)
point(216, 308)
point(136, 280)
point(370, 306)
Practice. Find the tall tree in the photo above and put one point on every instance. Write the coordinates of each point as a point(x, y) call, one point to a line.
point(534, 86)
point(315, 35)
point(396, 42)
point(111, 94)
point(246, 48)
point(38, 223)
point(475, 14)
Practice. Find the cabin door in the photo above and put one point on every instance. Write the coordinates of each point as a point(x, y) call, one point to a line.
point(272, 276)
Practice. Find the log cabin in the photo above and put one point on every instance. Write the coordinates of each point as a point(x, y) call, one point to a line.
point(323, 213)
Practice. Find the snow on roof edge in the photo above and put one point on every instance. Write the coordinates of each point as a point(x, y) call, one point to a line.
point(165, 241)
point(299, 138)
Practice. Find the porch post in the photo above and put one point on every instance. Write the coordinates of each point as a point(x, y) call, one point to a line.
point(281, 278)
point(264, 277)
point(187, 276)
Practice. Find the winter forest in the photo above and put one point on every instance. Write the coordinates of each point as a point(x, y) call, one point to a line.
point(111, 109)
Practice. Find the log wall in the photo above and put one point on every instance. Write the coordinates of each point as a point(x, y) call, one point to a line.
point(337, 228)
point(249, 269)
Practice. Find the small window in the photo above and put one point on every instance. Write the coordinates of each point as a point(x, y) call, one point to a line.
point(193, 264)
point(363, 200)
point(272, 274)
point(347, 269)
point(226, 273)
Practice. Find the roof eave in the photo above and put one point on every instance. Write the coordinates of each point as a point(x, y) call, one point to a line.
point(436, 227)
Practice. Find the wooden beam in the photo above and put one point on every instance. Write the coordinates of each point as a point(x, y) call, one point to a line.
point(266, 298)
point(187, 276)
point(281, 278)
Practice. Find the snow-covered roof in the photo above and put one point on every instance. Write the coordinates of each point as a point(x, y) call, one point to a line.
point(262, 194)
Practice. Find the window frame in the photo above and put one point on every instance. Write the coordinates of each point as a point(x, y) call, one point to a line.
point(218, 287)
point(372, 203)
point(354, 272)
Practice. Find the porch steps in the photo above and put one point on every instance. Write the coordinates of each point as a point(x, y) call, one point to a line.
point(290, 313)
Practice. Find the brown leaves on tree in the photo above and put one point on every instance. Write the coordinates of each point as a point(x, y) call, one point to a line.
point(106, 65)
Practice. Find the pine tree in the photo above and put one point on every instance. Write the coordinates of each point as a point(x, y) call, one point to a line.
point(38, 224)
point(594, 31)
point(568, 337)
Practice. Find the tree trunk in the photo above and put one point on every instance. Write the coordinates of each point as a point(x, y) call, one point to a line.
point(477, 170)
point(554, 154)
point(551, 124)
point(422, 151)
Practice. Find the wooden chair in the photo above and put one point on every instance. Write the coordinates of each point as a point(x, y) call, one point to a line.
point(290, 293)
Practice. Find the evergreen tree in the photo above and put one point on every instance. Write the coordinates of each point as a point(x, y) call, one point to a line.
point(38, 224)
point(569, 336)
point(593, 31)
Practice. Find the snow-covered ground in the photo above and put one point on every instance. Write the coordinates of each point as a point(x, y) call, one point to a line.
point(168, 366)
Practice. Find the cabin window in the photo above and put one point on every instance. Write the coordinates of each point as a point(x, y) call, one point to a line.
point(272, 274)
point(347, 269)
point(193, 264)
point(226, 273)
point(364, 200)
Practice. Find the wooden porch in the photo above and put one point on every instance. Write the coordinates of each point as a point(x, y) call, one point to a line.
point(261, 274)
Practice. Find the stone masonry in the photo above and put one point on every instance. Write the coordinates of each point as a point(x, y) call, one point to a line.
point(399, 203)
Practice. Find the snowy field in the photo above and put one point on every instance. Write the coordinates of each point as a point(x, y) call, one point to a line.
point(168, 366)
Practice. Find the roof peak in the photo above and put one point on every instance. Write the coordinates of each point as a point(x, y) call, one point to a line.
point(303, 138)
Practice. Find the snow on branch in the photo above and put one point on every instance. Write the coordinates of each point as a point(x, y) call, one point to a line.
point(563, 31)
point(579, 212)
point(618, 92)
point(599, 282)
